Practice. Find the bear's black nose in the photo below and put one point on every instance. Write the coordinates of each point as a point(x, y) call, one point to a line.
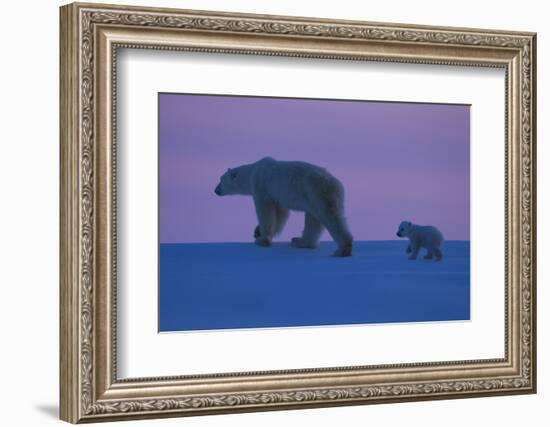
point(397, 234)
point(218, 191)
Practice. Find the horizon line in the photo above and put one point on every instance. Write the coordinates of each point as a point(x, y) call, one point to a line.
point(284, 241)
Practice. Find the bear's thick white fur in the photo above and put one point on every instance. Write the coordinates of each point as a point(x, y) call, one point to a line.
point(280, 186)
point(422, 236)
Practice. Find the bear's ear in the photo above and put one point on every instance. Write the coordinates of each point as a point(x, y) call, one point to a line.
point(409, 223)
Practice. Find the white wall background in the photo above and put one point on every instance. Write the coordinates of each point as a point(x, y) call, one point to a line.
point(29, 170)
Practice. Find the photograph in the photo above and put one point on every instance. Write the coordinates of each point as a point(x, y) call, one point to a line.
point(298, 212)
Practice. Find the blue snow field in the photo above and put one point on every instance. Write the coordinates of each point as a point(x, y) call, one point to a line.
point(206, 286)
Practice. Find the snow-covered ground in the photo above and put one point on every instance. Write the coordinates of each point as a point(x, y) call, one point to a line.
point(240, 285)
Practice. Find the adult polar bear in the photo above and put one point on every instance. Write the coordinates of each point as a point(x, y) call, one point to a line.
point(280, 186)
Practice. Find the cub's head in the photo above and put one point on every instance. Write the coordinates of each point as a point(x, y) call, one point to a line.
point(404, 228)
point(231, 182)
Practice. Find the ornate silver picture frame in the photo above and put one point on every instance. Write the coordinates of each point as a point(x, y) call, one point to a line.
point(91, 36)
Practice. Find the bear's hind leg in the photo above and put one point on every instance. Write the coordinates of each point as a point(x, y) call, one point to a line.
point(438, 254)
point(336, 226)
point(311, 234)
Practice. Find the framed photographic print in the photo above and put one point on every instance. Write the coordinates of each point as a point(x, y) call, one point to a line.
point(265, 212)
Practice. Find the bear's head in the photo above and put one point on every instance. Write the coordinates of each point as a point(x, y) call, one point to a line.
point(232, 182)
point(404, 228)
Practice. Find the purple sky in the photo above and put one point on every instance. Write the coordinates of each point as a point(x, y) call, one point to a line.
point(397, 161)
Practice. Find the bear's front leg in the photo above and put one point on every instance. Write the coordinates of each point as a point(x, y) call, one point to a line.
point(265, 210)
point(415, 248)
point(409, 249)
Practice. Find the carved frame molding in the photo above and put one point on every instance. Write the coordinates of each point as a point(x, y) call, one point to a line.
point(90, 37)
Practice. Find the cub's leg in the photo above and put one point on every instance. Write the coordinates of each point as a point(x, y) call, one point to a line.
point(415, 247)
point(266, 212)
point(430, 254)
point(409, 249)
point(311, 234)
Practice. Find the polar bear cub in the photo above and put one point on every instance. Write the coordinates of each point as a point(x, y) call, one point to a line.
point(280, 186)
point(422, 236)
